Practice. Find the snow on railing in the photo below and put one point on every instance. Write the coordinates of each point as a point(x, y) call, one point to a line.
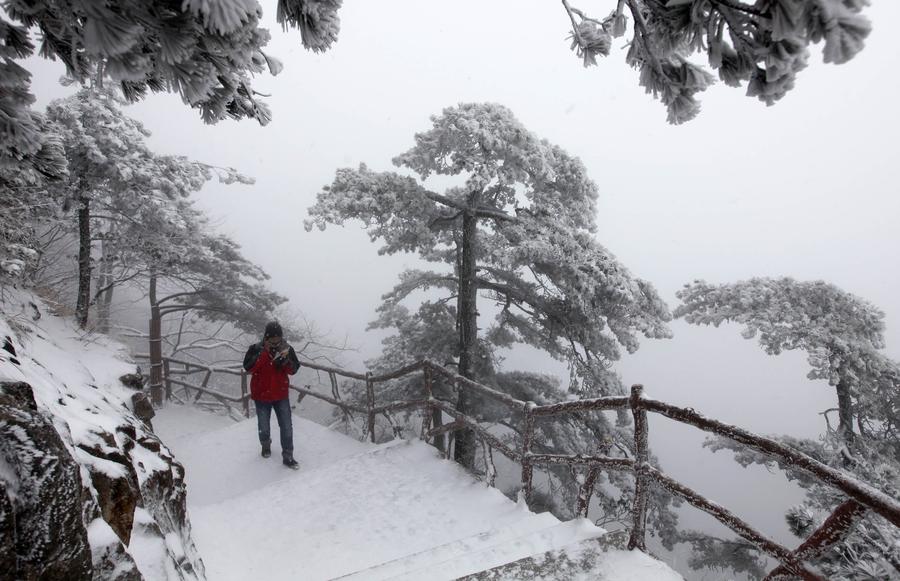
point(861, 496)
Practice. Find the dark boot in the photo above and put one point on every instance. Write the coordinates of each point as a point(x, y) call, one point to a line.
point(266, 450)
point(291, 463)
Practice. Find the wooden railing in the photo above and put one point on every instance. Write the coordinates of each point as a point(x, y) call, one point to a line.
point(861, 497)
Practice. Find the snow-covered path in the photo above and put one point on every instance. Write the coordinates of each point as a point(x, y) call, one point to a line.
point(351, 507)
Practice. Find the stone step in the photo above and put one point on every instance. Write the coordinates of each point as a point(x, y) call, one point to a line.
point(595, 559)
point(503, 552)
point(441, 553)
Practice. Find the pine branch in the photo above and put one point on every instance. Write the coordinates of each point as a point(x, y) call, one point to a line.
point(734, 5)
point(575, 32)
point(183, 294)
point(107, 287)
point(641, 25)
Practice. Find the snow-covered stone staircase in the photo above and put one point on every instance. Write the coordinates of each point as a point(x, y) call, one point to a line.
point(353, 512)
point(485, 550)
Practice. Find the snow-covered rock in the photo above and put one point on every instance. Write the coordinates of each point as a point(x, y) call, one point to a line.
point(41, 496)
point(87, 490)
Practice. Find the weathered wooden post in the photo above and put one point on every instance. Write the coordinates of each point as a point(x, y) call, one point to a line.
point(156, 363)
point(370, 405)
point(155, 344)
point(527, 440)
point(641, 458)
point(244, 396)
point(440, 442)
point(426, 412)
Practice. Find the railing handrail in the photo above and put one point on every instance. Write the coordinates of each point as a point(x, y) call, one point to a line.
point(878, 501)
point(231, 370)
point(862, 496)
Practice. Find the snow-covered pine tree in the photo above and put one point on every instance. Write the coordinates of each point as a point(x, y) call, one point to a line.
point(31, 154)
point(840, 333)
point(22, 134)
point(112, 170)
point(167, 243)
point(168, 250)
point(842, 336)
point(763, 43)
point(518, 233)
point(135, 203)
point(519, 230)
point(104, 151)
point(206, 51)
point(23, 202)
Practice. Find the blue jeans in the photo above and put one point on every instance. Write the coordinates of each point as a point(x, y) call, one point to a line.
point(282, 409)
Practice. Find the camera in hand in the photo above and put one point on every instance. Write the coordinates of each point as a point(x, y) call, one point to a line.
point(278, 351)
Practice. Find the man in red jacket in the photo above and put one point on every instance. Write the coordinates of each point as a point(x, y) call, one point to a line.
point(270, 362)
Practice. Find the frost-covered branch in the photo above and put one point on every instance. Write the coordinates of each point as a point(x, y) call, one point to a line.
point(762, 45)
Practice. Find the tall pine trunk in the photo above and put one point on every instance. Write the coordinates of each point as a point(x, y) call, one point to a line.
point(84, 261)
point(156, 363)
point(465, 445)
point(845, 411)
point(845, 402)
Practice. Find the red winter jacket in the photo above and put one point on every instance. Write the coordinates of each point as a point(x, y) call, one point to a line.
point(270, 381)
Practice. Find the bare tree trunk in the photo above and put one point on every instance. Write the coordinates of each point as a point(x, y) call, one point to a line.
point(863, 433)
point(156, 364)
point(84, 261)
point(464, 451)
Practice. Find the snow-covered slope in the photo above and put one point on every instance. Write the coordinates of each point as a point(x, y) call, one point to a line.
point(129, 496)
point(354, 511)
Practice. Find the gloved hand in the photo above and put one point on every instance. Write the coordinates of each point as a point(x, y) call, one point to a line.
point(281, 358)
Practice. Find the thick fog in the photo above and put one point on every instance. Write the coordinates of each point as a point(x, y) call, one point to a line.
point(807, 188)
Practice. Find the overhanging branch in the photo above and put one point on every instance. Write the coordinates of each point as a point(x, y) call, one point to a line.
point(169, 310)
point(480, 211)
point(182, 294)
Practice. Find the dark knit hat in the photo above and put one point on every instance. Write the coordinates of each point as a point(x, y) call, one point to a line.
point(273, 329)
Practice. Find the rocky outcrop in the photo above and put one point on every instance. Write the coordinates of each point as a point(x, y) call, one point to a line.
point(115, 485)
point(74, 515)
point(133, 380)
point(42, 534)
point(87, 490)
point(143, 408)
point(140, 491)
point(111, 560)
point(165, 496)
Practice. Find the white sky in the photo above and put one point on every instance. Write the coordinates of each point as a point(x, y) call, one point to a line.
point(806, 188)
